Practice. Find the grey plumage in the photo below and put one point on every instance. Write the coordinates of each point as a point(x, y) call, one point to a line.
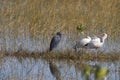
point(55, 41)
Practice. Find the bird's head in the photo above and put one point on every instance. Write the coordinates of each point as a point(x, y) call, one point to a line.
point(104, 35)
point(59, 33)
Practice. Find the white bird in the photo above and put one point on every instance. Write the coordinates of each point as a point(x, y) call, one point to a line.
point(82, 43)
point(97, 41)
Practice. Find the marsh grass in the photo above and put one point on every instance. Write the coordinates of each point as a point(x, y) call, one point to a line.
point(67, 55)
point(40, 19)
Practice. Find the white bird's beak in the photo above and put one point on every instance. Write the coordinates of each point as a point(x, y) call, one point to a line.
point(100, 34)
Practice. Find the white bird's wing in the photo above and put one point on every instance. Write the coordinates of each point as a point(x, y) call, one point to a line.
point(85, 41)
point(95, 40)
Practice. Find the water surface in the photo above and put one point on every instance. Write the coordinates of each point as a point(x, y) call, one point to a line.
point(12, 68)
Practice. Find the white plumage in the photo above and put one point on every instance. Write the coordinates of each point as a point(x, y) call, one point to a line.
point(91, 43)
point(97, 41)
point(82, 42)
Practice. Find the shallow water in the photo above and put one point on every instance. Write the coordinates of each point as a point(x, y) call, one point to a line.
point(42, 43)
point(12, 68)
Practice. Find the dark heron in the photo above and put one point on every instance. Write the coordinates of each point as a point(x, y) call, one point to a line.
point(55, 40)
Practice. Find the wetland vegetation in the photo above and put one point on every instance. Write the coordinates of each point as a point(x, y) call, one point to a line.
point(26, 29)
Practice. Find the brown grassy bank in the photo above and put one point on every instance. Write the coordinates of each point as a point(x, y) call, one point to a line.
point(66, 56)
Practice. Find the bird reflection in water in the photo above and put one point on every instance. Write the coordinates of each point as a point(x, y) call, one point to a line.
point(54, 70)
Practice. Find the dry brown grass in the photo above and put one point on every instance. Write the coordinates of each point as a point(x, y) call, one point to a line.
point(68, 55)
point(40, 17)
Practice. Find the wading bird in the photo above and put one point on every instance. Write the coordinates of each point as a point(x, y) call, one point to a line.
point(55, 41)
point(97, 41)
point(82, 43)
